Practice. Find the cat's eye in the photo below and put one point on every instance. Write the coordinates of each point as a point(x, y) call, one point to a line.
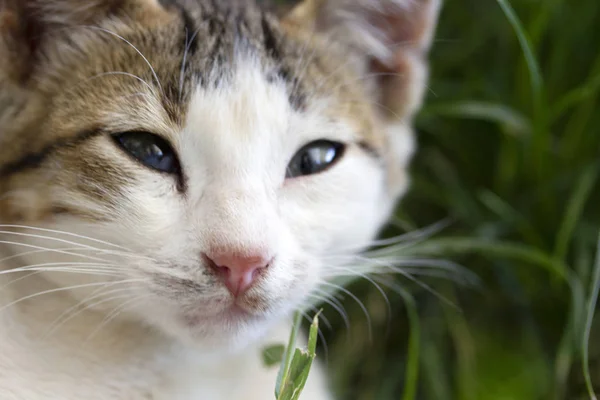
point(315, 157)
point(149, 149)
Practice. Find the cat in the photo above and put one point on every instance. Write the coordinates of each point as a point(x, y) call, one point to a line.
point(178, 177)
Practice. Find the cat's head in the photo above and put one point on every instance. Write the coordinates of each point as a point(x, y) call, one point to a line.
point(213, 162)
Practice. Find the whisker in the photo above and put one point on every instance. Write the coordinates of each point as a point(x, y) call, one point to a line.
point(98, 266)
point(60, 289)
point(116, 312)
point(134, 48)
point(406, 239)
point(185, 54)
point(419, 234)
point(122, 73)
point(398, 289)
point(322, 317)
point(60, 320)
point(415, 280)
point(137, 94)
point(3, 287)
point(35, 228)
point(28, 253)
point(399, 265)
point(377, 258)
point(58, 251)
point(414, 271)
point(336, 306)
point(83, 271)
point(379, 289)
point(358, 301)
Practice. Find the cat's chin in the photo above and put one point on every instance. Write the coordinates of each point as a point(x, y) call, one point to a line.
point(233, 317)
point(230, 330)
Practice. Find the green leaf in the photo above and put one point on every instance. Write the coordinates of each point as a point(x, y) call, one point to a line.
point(298, 375)
point(295, 376)
point(273, 355)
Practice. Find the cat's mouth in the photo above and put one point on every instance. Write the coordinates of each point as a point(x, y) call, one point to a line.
point(231, 315)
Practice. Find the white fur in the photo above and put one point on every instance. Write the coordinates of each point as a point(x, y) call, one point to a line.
point(234, 150)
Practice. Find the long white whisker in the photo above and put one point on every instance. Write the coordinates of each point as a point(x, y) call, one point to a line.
point(4, 226)
point(414, 280)
point(69, 253)
point(357, 300)
point(77, 249)
point(87, 307)
point(3, 287)
point(405, 240)
point(418, 234)
point(380, 264)
point(28, 253)
point(185, 54)
point(113, 73)
point(118, 310)
point(97, 266)
point(82, 271)
point(60, 320)
point(54, 239)
point(321, 316)
point(396, 287)
point(134, 48)
point(60, 289)
point(337, 307)
point(137, 94)
point(379, 289)
point(414, 271)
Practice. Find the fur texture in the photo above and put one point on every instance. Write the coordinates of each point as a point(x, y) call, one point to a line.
point(104, 289)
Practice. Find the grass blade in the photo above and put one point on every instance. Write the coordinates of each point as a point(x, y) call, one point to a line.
point(574, 210)
point(513, 121)
point(541, 138)
point(412, 358)
point(532, 64)
point(591, 308)
point(289, 353)
point(296, 374)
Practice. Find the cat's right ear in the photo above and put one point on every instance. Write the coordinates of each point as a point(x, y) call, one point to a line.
point(388, 40)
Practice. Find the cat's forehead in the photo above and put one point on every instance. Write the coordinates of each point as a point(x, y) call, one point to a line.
point(148, 71)
point(154, 67)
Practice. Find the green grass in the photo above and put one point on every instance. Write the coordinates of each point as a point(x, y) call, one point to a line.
point(509, 150)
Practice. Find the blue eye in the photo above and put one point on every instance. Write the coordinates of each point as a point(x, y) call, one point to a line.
point(149, 149)
point(314, 158)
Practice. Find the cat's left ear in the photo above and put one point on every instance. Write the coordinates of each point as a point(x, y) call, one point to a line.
point(28, 28)
point(388, 39)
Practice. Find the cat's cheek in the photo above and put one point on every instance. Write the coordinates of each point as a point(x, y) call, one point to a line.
point(339, 209)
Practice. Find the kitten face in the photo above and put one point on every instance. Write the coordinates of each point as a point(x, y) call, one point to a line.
point(201, 140)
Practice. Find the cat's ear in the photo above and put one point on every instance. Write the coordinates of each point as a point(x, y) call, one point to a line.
point(388, 40)
point(27, 25)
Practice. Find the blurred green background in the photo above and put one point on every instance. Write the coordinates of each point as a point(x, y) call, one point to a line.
point(509, 146)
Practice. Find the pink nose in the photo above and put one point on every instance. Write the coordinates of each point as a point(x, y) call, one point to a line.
point(238, 272)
